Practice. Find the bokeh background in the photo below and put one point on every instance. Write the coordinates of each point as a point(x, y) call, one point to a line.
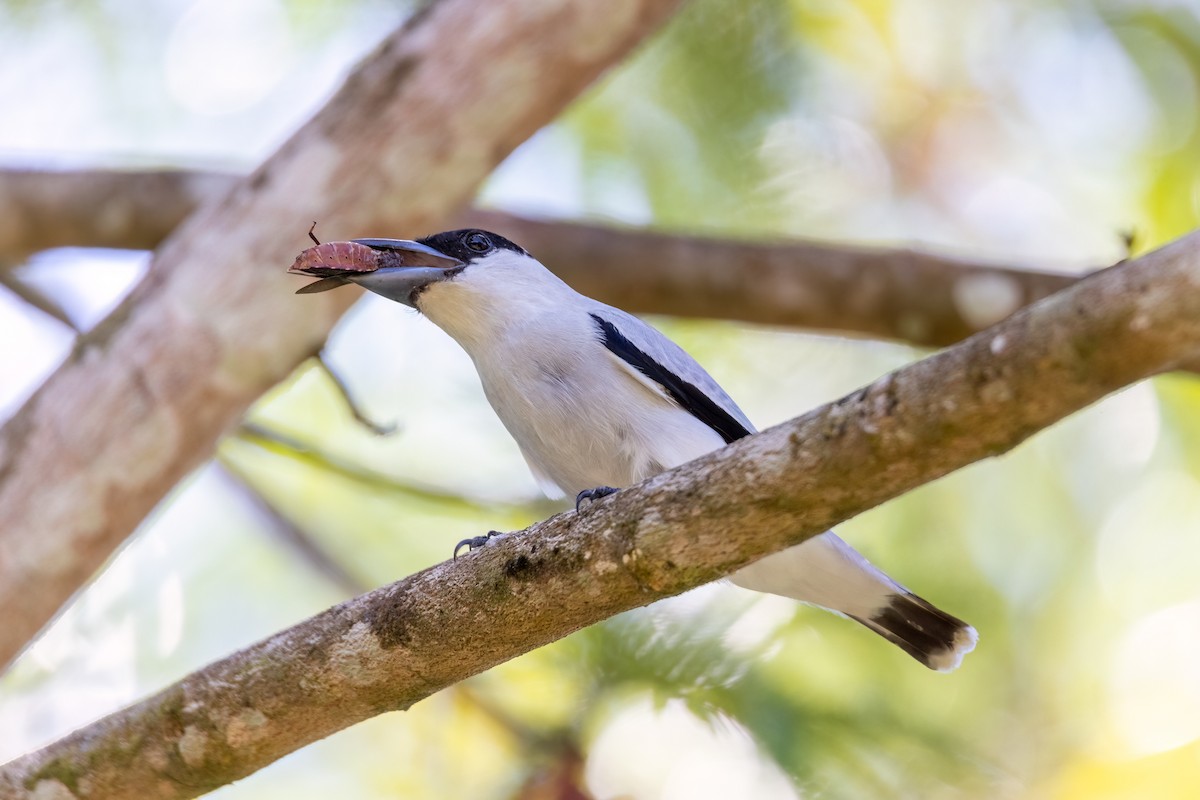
point(1041, 131)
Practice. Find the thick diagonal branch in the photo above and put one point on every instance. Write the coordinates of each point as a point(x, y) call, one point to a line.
point(388, 649)
point(144, 396)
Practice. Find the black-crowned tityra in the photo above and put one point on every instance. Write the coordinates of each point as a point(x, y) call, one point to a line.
point(595, 398)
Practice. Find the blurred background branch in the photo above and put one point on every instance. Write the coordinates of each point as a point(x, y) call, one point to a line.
point(297, 540)
point(896, 294)
point(264, 437)
point(36, 298)
point(899, 294)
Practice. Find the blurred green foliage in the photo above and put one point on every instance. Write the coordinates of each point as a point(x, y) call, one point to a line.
point(1039, 130)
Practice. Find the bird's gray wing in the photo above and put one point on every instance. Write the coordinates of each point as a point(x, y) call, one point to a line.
point(665, 363)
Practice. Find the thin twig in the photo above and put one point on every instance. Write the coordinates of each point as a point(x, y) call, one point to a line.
point(291, 535)
point(36, 298)
point(275, 441)
point(377, 428)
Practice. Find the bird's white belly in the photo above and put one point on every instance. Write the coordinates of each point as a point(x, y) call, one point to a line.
point(580, 428)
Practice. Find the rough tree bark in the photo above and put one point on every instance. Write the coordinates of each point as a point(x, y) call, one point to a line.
point(144, 396)
point(388, 649)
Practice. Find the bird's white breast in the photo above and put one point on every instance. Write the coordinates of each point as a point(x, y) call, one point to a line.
point(579, 416)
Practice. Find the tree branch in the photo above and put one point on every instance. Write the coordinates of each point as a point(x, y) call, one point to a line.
point(900, 294)
point(132, 210)
point(389, 648)
point(145, 395)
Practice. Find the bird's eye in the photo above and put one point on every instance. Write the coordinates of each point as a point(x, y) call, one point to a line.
point(478, 242)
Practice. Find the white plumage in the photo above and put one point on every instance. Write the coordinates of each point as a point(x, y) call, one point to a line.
point(596, 397)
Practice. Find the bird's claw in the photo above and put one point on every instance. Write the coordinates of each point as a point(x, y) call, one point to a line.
point(589, 496)
point(474, 542)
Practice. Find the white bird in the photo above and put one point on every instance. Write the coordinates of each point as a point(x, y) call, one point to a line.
point(597, 398)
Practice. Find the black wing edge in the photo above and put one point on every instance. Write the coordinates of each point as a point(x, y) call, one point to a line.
point(691, 399)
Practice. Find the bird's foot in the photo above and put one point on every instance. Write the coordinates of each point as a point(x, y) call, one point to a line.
point(475, 542)
point(589, 496)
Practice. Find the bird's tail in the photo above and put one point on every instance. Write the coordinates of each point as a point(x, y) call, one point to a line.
point(928, 634)
point(827, 572)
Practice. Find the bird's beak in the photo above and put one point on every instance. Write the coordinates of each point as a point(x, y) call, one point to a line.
point(416, 266)
point(396, 269)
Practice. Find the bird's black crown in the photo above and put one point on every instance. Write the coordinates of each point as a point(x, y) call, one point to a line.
point(468, 244)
